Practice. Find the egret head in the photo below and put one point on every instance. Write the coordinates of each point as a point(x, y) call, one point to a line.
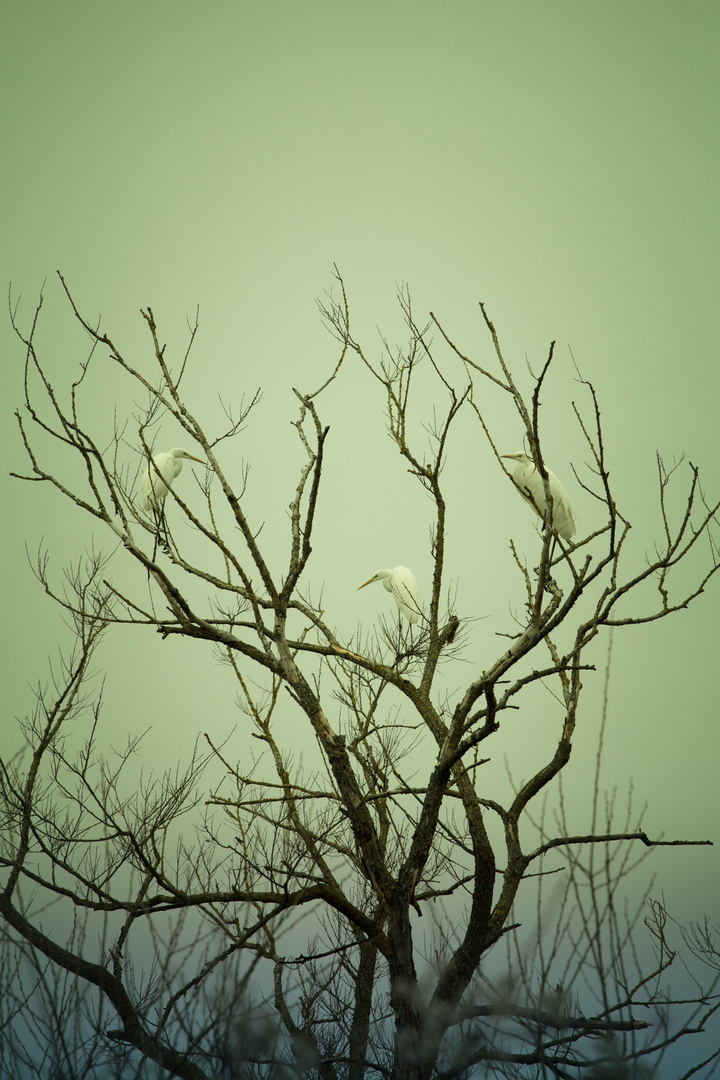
point(381, 575)
point(179, 453)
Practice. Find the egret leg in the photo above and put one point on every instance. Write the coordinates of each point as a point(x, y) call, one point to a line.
point(161, 529)
point(551, 553)
point(403, 649)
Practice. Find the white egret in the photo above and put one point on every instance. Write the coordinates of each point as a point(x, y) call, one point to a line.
point(402, 584)
point(158, 477)
point(529, 482)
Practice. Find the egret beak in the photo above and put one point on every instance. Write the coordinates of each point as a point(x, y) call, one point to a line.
point(365, 583)
point(199, 460)
point(513, 456)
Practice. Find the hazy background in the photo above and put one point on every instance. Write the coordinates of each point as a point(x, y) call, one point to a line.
point(557, 160)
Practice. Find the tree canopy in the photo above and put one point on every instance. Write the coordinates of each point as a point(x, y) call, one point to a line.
point(334, 892)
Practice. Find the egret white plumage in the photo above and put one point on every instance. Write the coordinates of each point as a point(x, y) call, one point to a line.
point(529, 482)
point(158, 477)
point(402, 584)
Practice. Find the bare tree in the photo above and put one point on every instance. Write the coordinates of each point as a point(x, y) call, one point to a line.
point(305, 882)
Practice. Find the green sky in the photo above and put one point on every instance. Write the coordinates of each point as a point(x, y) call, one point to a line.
point(557, 160)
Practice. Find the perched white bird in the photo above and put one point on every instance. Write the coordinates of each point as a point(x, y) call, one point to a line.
point(158, 477)
point(402, 584)
point(529, 482)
